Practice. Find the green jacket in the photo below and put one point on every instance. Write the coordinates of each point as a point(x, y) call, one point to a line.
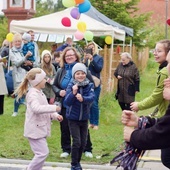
point(156, 98)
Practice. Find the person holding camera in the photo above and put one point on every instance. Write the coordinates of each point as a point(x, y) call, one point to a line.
point(94, 62)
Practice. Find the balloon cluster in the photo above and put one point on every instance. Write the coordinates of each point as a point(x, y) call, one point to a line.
point(80, 6)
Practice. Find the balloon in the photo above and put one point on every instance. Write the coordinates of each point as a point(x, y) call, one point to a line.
point(84, 7)
point(79, 35)
point(10, 37)
point(68, 3)
point(88, 35)
point(79, 1)
point(75, 13)
point(168, 22)
point(66, 22)
point(108, 40)
point(81, 26)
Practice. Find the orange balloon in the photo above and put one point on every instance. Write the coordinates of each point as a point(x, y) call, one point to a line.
point(79, 1)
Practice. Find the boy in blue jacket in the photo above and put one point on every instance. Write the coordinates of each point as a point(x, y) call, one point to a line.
point(78, 99)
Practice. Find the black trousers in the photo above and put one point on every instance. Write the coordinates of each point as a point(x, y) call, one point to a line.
point(78, 130)
point(124, 106)
point(1, 104)
point(65, 135)
point(165, 157)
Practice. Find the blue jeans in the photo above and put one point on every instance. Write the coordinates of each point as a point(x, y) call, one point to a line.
point(94, 111)
point(17, 103)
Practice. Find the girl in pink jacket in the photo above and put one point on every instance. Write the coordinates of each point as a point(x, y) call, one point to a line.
point(38, 116)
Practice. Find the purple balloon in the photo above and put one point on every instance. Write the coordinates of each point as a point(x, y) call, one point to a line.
point(75, 13)
point(85, 6)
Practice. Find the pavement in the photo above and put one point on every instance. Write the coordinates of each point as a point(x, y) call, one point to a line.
point(150, 161)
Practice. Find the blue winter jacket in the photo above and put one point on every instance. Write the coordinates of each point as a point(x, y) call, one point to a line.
point(76, 110)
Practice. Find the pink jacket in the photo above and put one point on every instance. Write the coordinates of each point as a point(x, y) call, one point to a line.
point(38, 115)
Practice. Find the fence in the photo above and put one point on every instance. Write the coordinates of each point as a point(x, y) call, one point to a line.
point(109, 82)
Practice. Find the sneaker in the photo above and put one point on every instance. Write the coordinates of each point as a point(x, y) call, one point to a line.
point(96, 127)
point(88, 154)
point(64, 155)
point(15, 114)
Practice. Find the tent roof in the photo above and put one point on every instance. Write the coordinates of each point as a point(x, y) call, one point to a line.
point(95, 14)
point(51, 24)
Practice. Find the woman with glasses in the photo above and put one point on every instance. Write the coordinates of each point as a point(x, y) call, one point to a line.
point(63, 76)
point(156, 98)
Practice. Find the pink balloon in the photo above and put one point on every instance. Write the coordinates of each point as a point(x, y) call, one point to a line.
point(75, 13)
point(66, 22)
point(79, 35)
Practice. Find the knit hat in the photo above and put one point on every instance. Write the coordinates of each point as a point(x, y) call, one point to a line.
point(44, 53)
point(38, 78)
point(79, 67)
point(26, 37)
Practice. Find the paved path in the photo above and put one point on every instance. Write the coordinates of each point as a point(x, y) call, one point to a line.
point(150, 161)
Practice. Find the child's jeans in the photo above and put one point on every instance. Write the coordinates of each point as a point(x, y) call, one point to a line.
point(17, 103)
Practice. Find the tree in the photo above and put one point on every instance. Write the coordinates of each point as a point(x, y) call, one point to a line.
point(124, 13)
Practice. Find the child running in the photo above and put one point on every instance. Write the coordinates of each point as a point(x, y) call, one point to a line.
point(78, 99)
point(38, 116)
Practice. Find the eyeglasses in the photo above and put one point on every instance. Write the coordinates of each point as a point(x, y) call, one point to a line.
point(157, 51)
point(70, 55)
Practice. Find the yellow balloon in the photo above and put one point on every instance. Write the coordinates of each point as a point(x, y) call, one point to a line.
point(108, 40)
point(10, 37)
point(81, 26)
point(68, 3)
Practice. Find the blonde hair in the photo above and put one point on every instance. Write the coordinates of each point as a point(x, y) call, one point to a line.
point(63, 61)
point(23, 87)
point(17, 37)
point(96, 50)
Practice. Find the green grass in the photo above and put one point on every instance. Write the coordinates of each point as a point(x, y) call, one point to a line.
point(107, 140)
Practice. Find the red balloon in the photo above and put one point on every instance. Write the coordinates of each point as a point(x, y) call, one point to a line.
point(66, 22)
point(168, 22)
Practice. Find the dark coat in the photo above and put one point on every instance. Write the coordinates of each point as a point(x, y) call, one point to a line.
point(129, 84)
point(156, 136)
point(77, 110)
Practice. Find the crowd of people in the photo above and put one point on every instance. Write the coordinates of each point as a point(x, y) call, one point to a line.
point(46, 84)
point(61, 85)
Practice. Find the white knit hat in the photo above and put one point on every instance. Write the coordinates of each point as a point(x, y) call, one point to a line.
point(79, 67)
point(44, 53)
point(26, 37)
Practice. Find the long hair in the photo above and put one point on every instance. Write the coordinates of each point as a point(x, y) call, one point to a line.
point(63, 61)
point(47, 67)
point(23, 87)
point(96, 50)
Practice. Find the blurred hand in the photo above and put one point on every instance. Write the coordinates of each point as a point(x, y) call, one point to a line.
point(60, 118)
point(127, 133)
point(79, 97)
point(58, 108)
point(134, 106)
point(129, 118)
point(167, 83)
point(75, 88)
point(62, 93)
point(119, 77)
point(29, 53)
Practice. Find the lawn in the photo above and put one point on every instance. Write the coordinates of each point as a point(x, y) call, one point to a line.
point(107, 141)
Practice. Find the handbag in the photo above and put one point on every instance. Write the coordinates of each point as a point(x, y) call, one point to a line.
point(96, 80)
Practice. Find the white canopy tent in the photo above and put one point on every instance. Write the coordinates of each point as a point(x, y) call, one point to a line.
point(49, 27)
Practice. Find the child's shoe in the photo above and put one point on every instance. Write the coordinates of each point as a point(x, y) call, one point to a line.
point(15, 114)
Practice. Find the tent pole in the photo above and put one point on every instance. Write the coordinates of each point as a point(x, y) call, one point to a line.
point(111, 60)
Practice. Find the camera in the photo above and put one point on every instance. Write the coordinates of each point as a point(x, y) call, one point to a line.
point(88, 51)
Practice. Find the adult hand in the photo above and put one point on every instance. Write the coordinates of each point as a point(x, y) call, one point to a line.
point(167, 83)
point(134, 106)
point(60, 118)
point(29, 53)
point(58, 108)
point(129, 118)
point(119, 77)
point(62, 93)
point(127, 133)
